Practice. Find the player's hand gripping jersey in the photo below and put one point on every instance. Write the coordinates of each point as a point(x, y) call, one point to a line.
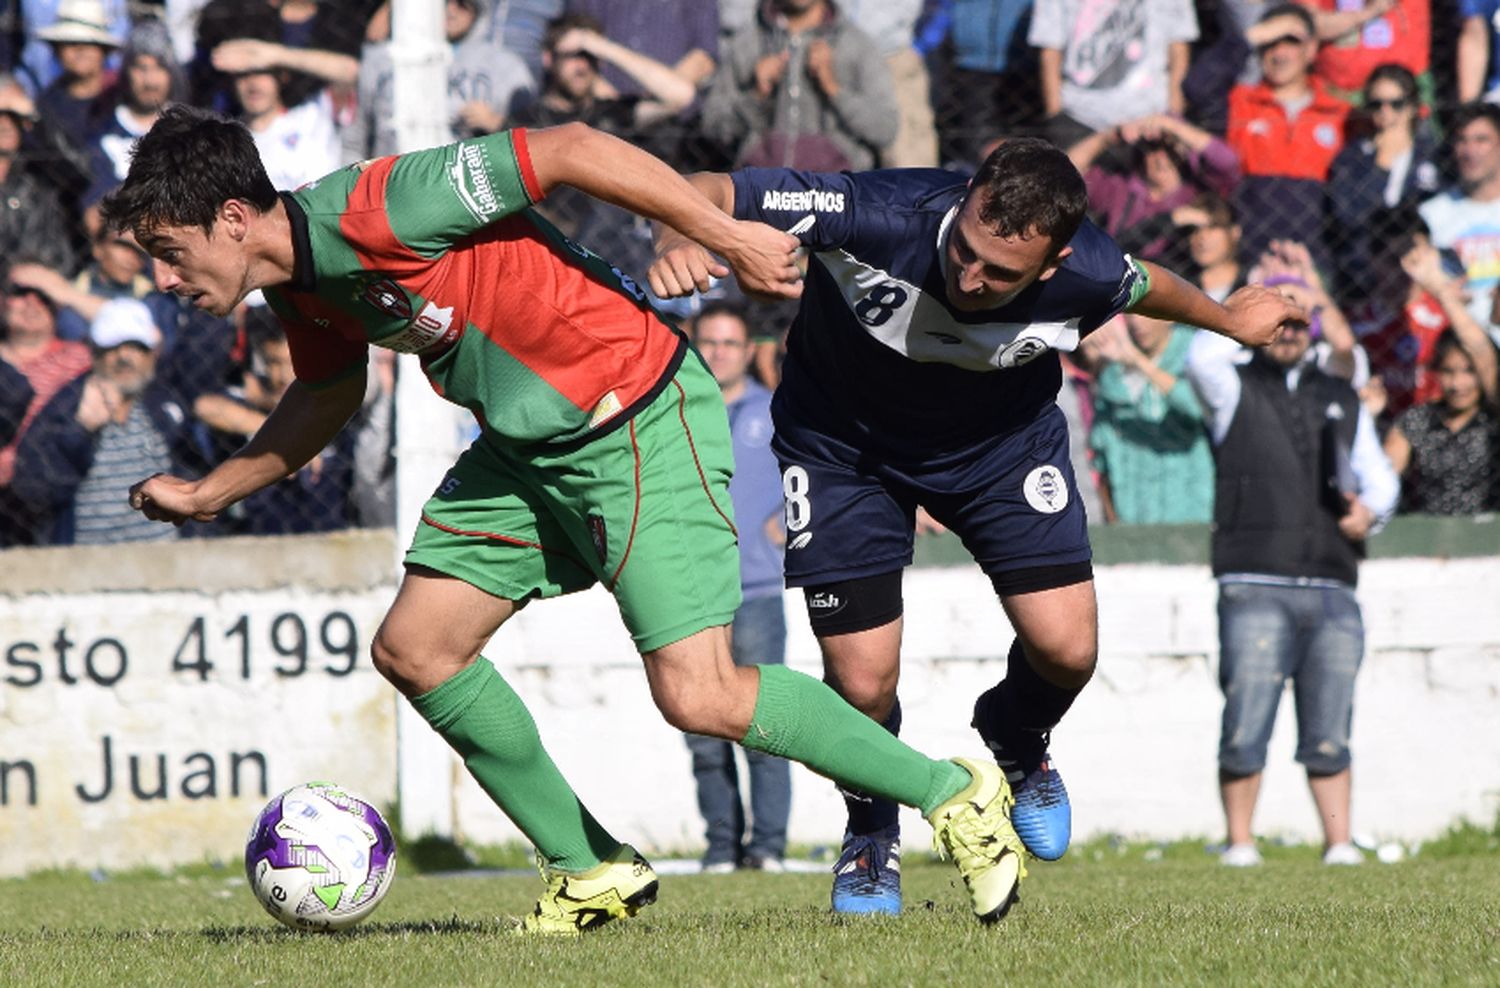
point(437, 253)
point(877, 355)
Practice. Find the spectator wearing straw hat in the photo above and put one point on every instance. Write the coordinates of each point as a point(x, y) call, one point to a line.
point(45, 21)
point(81, 98)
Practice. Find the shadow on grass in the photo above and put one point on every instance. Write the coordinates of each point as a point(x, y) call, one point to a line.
point(273, 934)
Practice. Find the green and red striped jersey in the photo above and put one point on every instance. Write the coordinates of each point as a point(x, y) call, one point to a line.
point(438, 253)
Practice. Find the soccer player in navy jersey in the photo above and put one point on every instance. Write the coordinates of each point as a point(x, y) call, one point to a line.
point(922, 370)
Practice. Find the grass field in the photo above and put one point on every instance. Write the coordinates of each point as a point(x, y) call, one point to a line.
point(1105, 915)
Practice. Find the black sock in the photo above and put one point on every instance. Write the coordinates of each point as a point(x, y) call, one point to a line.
point(869, 814)
point(1015, 717)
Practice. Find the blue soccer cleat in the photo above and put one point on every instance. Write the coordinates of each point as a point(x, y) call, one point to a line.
point(867, 876)
point(1042, 815)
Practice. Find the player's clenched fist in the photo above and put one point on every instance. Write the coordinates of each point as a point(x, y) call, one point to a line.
point(682, 266)
point(762, 257)
point(162, 497)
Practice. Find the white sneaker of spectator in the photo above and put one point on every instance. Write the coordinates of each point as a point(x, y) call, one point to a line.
point(1343, 854)
point(1240, 856)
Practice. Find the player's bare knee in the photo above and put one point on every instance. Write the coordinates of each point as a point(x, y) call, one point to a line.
point(1067, 664)
point(870, 692)
point(386, 657)
point(693, 711)
point(407, 663)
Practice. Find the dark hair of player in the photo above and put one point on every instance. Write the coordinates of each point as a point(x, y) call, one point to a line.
point(1030, 187)
point(189, 164)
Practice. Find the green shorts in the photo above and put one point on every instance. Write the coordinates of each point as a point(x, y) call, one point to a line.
point(644, 510)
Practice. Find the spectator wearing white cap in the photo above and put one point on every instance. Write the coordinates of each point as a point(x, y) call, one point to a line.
point(95, 437)
point(81, 98)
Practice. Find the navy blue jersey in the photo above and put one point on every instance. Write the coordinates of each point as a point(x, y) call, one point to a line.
point(877, 355)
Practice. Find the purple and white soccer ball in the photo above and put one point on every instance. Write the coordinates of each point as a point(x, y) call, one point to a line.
point(320, 858)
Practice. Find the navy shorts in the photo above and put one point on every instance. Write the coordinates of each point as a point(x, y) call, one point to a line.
point(1012, 501)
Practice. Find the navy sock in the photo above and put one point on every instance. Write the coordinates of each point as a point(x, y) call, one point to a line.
point(869, 814)
point(1016, 716)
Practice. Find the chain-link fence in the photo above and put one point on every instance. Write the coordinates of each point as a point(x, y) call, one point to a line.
point(1337, 213)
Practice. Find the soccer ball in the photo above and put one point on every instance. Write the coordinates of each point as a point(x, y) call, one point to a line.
point(319, 857)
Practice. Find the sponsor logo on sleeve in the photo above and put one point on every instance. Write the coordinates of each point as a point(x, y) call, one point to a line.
point(802, 201)
point(469, 175)
point(433, 329)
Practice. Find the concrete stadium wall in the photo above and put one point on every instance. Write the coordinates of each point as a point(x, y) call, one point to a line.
point(136, 752)
point(1138, 749)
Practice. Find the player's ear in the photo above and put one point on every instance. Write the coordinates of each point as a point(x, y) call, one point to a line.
point(234, 215)
point(1054, 264)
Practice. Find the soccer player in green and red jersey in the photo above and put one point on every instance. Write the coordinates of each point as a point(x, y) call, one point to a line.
point(603, 456)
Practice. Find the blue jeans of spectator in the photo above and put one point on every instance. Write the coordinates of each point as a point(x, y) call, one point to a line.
point(1312, 635)
point(759, 638)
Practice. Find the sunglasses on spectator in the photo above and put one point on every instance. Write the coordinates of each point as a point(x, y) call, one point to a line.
point(1393, 104)
point(1285, 39)
point(19, 291)
point(587, 56)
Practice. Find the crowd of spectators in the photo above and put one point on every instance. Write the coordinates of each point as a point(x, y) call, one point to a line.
point(1343, 150)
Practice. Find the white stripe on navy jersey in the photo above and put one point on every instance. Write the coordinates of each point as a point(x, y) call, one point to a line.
point(917, 326)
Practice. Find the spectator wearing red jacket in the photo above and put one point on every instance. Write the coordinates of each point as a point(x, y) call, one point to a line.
point(1401, 33)
point(1286, 129)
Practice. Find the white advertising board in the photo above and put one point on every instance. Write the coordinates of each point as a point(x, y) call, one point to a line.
point(149, 727)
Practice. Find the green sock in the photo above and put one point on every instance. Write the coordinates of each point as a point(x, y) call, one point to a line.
point(484, 720)
point(800, 718)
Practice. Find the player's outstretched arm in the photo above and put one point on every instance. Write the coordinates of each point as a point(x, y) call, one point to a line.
point(303, 422)
point(619, 173)
point(1253, 315)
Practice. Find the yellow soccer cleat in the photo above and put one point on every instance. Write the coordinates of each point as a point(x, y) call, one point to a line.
point(576, 902)
point(974, 830)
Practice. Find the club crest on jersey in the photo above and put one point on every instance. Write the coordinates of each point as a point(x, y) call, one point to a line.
point(1046, 490)
point(388, 297)
point(469, 175)
point(432, 328)
point(1021, 351)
